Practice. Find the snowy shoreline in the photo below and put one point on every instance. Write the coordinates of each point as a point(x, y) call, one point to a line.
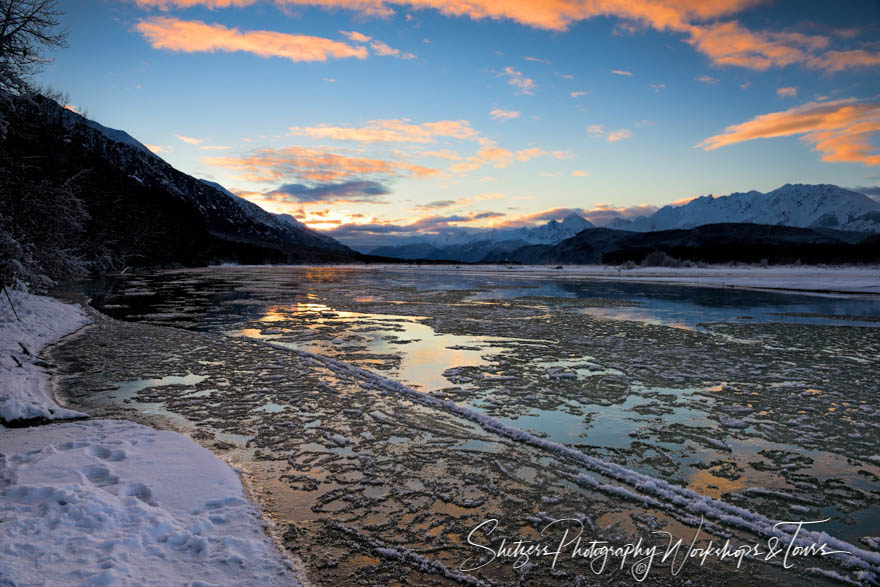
point(106, 501)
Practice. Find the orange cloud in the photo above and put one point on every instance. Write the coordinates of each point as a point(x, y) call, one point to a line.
point(499, 114)
point(597, 130)
point(839, 60)
point(314, 165)
point(728, 43)
point(355, 36)
point(725, 43)
point(189, 140)
point(382, 49)
point(622, 72)
point(787, 92)
point(841, 129)
point(556, 15)
point(196, 36)
point(499, 157)
point(398, 130)
point(156, 148)
point(526, 85)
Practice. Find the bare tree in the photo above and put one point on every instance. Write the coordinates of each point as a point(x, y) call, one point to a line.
point(27, 29)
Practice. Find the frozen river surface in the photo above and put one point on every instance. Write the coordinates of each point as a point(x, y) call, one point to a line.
point(632, 407)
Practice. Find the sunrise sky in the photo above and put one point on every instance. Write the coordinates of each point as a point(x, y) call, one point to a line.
point(374, 118)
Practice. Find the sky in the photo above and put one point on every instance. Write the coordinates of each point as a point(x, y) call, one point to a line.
point(373, 119)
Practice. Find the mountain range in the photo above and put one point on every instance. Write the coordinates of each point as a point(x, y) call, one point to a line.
point(804, 206)
point(474, 246)
point(820, 207)
point(708, 243)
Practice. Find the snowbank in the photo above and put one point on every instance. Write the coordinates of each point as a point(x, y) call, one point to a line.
point(25, 391)
point(106, 501)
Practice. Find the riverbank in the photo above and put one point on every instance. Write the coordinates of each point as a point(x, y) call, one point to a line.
point(107, 501)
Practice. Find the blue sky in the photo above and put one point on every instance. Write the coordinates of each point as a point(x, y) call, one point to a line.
point(479, 113)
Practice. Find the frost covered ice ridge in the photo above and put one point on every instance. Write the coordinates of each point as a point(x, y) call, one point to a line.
point(105, 501)
point(689, 505)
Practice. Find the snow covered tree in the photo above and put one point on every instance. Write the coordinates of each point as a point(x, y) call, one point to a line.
point(27, 29)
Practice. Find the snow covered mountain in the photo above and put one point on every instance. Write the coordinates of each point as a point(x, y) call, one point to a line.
point(130, 208)
point(475, 244)
point(800, 205)
point(222, 213)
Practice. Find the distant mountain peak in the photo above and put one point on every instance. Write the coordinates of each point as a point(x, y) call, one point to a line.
point(474, 244)
point(797, 205)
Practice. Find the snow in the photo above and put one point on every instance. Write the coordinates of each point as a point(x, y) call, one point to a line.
point(25, 392)
point(550, 233)
point(790, 205)
point(106, 501)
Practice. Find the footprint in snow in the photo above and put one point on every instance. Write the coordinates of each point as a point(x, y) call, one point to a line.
point(142, 492)
point(105, 454)
point(100, 475)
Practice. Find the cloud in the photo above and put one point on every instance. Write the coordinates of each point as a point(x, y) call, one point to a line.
point(483, 215)
point(439, 204)
point(351, 191)
point(313, 165)
point(189, 140)
point(657, 87)
point(872, 191)
point(577, 94)
point(366, 233)
point(355, 36)
point(538, 60)
point(579, 173)
point(833, 61)
point(499, 114)
point(725, 42)
point(215, 147)
point(447, 154)
point(840, 129)
point(196, 36)
point(525, 85)
point(661, 14)
point(729, 43)
point(788, 92)
point(707, 79)
point(491, 154)
point(597, 130)
point(157, 149)
point(400, 130)
point(382, 49)
point(622, 72)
